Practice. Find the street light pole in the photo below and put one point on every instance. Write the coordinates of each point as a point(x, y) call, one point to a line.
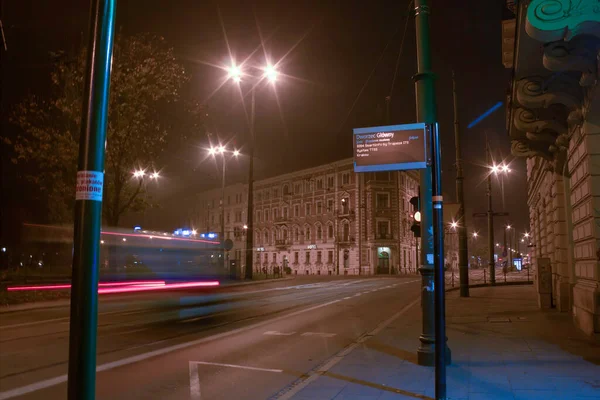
point(223, 211)
point(250, 203)
point(462, 223)
point(81, 383)
point(490, 215)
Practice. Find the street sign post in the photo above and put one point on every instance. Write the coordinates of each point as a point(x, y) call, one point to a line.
point(390, 148)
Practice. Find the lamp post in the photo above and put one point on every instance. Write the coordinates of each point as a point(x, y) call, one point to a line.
point(494, 169)
point(222, 150)
point(271, 74)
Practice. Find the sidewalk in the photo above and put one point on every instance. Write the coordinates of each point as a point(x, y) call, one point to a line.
point(503, 348)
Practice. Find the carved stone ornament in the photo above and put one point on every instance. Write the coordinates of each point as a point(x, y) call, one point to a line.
point(527, 121)
point(579, 54)
point(552, 20)
point(539, 92)
point(522, 148)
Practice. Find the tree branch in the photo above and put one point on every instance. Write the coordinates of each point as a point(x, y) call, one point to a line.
point(131, 199)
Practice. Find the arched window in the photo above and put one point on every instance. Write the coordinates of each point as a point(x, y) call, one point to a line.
point(307, 233)
point(330, 231)
point(319, 232)
point(296, 234)
point(346, 232)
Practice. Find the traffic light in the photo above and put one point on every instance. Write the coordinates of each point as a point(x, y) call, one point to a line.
point(416, 225)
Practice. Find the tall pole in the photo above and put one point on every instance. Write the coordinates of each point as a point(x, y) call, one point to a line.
point(463, 260)
point(250, 211)
point(88, 204)
point(223, 213)
point(432, 301)
point(491, 263)
point(433, 245)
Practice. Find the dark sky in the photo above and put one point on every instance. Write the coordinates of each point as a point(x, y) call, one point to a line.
point(330, 49)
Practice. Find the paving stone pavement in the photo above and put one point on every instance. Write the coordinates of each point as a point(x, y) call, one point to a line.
point(503, 348)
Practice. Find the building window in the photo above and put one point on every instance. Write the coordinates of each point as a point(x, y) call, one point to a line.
point(228, 217)
point(296, 210)
point(345, 205)
point(275, 192)
point(330, 182)
point(330, 231)
point(346, 232)
point(319, 232)
point(319, 184)
point(228, 200)
point(297, 188)
point(266, 238)
point(259, 216)
point(286, 190)
point(319, 257)
point(330, 257)
point(296, 234)
point(266, 215)
point(285, 213)
point(296, 257)
point(258, 258)
point(267, 195)
point(275, 214)
point(307, 258)
point(346, 178)
point(212, 219)
point(382, 200)
point(319, 207)
point(383, 229)
point(330, 205)
point(274, 257)
point(307, 209)
point(307, 233)
point(238, 216)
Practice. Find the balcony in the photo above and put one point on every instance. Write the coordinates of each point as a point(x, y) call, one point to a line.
point(345, 240)
point(281, 220)
point(384, 236)
point(345, 213)
point(282, 243)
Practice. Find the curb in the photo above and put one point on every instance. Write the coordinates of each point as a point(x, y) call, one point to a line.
point(480, 285)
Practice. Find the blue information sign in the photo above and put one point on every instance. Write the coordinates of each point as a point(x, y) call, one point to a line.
point(390, 148)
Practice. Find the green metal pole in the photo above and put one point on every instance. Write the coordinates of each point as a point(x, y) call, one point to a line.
point(433, 306)
point(426, 112)
point(88, 204)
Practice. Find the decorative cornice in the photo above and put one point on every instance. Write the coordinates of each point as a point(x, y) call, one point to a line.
point(527, 121)
point(551, 20)
point(579, 54)
point(522, 148)
point(537, 92)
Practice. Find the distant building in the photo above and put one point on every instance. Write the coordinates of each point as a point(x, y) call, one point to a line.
point(321, 220)
point(553, 119)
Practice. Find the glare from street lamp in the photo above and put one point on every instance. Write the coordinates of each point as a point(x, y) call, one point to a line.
point(475, 234)
point(245, 226)
point(236, 153)
point(212, 151)
point(194, 232)
point(508, 226)
point(526, 234)
point(522, 240)
point(505, 168)
point(495, 168)
point(235, 73)
point(139, 173)
point(454, 225)
point(221, 149)
point(155, 175)
point(497, 244)
point(271, 73)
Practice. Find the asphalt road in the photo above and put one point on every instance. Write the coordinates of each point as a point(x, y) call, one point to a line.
point(244, 342)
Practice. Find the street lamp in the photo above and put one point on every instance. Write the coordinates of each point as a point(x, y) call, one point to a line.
point(222, 150)
point(475, 235)
point(270, 73)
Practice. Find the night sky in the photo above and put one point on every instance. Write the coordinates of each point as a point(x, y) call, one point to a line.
point(327, 49)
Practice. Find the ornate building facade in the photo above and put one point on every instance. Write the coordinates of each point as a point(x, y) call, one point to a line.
point(553, 119)
point(323, 220)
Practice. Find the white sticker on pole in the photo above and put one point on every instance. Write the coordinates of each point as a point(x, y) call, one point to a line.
point(89, 185)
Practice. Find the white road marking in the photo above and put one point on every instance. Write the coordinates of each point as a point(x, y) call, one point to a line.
point(144, 356)
point(33, 323)
point(314, 375)
point(194, 382)
point(195, 393)
point(320, 334)
point(346, 298)
point(277, 333)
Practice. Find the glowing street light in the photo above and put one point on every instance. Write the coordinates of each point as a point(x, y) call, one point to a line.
point(194, 232)
point(526, 234)
point(453, 225)
point(508, 227)
point(139, 173)
point(236, 153)
point(155, 175)
point(475, 234)
point(271, 73)
point(235, 73)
